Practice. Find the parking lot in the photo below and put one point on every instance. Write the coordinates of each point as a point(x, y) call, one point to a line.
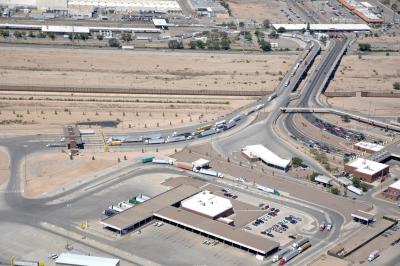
point(390, 238)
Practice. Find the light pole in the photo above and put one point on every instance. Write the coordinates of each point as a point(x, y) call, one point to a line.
point(25, 147)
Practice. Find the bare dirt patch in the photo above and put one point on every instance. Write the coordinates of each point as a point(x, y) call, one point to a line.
point(370, 73)
point(4, 166)
point(47, 172)
point(258, 10)
point(59, 67)
point(368, 105)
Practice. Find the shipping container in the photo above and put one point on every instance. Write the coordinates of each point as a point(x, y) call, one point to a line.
point(288, 256)
point(209, 172)
point(186, 166)
point(148, 159)
point(175, 139)
point(230, 125)
point(154, 141)
point(280, 254)
point(300, 242)
point(207, 133)
point(161, 161)
point(304, 247)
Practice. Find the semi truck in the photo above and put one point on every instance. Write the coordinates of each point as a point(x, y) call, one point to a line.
point(147, 159)
point(186, 166)
point(161, 161)
point(260, 106)
point(229, 125)
point(300, 242)
point(288, 256)
point(207, 133)
point(236, 118)
point(132, 140)
point(209, 172)
point(304, 247)
point(115, 143)
point(175, 139)
point(280, 254)
point(220, 124)
point(154, 141)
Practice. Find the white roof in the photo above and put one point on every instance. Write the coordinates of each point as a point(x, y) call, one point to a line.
point(207, 204)
point(395, 185)
point(345, 181)
point(367, 166)
point(366, 4)
point(160, 22)
point(76, 259)
point(201, 163)
point(369, 146)
point(266, 155)
point(324, 27)
point(77, 29)
point(323, 179)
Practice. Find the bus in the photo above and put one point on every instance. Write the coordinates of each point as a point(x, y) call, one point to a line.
point(203, 128)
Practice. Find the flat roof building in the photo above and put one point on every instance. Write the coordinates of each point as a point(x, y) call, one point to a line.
point(208, 204)
point(368, 147)
point(393, 191)
point(324, 180)
point(267, 156)
point(84, 260)
point(324, 27)
point(366, 170)
point(218, 230)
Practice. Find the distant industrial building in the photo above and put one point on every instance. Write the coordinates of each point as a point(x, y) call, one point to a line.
point(208, 8)
point(255, 152)
point(84, 260)
point(198, 211)
point(367, 147)
point(364, 10)
point(366, 170)
point(324, 27)
point(87, 7)
point(393, 191)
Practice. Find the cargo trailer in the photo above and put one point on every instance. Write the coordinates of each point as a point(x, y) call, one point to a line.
point(186, 166)
point(288, 256)
point(280, 254)
point(147, 159)
point(161, 161)
point(154, 141)
point(207, 133)
point(304, 247)
point(230, 125)
point(220, 124)
point(300, 242)
point(175, 139)
point(236, 118)
point(209, 172)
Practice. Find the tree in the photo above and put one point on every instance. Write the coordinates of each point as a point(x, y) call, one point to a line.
point(17, 34)
point(364, 47)
point(225, 44)
point(346, 118)
point(364, 187)
point(335, 190)
point(100, 37)
point(126, 37)
point(241, 24)
point(31, 34)
point(267, 23)
point(51, 35)
point(175, 44)
point(113, 43)
point(324, 39)
point(274, 35)
point(83, 36)
point(265, 46)
point(192, 44)
point(200, 44)
point(396, 85)
point(296, 162)
point(356, 182)
point(4, 33)
point(313, 176)
point(281, 30)
point(248, 36)
point(346, 160)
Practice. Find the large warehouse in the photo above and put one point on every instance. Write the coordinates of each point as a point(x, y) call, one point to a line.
point(192, 209)
point(366, 170)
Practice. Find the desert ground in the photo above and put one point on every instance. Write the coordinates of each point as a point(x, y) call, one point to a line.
point(370, 73)
point(58, 67)
point(381, 42)
point(368, 105)
point(48, 112)
point(50, 171)
point(81, 68)
point(258, 10)
point(4, 166)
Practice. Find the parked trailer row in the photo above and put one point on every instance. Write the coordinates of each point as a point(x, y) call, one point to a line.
point(280, 254)
point(300, 242)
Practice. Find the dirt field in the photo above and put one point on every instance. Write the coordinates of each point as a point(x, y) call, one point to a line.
point(35, 112)
point(4, 166)
point(382, 42)
point(258, 10)
point(370, 73)
point(140, 69)
point(368, 105)
point(47, 172)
